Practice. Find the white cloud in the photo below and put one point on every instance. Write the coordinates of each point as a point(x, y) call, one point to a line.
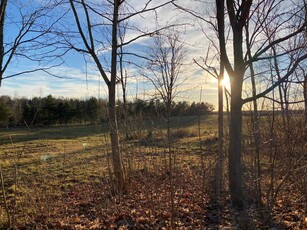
point(81, 85)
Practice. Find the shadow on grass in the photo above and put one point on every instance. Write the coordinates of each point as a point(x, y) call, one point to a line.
point(22, 134)
point(46, 133)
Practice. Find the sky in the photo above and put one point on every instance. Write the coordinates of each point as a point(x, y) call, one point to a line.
point(80, 78)
point(74, 75)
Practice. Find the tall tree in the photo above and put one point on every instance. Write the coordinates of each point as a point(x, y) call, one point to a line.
point(2, 18)
point(165, 72)
point(220, 5)
point(239, 13)
point(216, 72)
point(104, 34)
point(284, 20)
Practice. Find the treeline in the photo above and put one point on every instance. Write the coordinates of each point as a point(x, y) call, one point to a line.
point(46, 111)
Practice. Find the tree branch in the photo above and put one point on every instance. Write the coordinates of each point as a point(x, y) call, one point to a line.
point(283, 79)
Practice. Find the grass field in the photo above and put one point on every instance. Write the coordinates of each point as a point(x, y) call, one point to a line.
point(59, 177)
point(44, 163)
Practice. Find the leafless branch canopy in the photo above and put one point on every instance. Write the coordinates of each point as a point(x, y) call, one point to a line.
point(30, 38)
point(166, 58)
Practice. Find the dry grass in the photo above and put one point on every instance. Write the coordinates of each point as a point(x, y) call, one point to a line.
point(63, 180)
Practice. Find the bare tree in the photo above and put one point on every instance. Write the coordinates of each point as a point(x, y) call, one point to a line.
point(29, 37)
point(238, 15)
point(167, 56)
point(255, 122)
point(221, 36)
point(2, 18)
point(25, 38)
point(208, 66)
point(250, 20)
point(98, 34)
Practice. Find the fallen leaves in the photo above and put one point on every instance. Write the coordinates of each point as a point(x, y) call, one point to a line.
point(90, 205)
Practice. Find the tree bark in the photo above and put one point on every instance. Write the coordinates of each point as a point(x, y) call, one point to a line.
point(234, 157)
point(2, 17)
point(305, 112)
point(238, 18)
point(116, 153)
point(220, 5)
point(235, 126)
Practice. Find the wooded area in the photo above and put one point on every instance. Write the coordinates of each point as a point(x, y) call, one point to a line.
point(51, 111)
point(156, 163)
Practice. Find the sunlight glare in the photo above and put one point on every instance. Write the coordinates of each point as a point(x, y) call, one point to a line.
point(226, 82)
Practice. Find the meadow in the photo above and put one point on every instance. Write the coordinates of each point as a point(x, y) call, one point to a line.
point(61, 178)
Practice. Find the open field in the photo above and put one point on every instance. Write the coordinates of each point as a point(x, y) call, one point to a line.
point(60, 178)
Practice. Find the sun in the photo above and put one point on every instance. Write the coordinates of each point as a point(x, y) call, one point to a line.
point(226, 82)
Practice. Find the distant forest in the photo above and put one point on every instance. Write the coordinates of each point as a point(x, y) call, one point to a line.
point(49, 110)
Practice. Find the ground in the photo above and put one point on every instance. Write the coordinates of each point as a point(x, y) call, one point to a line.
point(59, 178)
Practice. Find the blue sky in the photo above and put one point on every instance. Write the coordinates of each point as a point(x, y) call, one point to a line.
point(83, 80)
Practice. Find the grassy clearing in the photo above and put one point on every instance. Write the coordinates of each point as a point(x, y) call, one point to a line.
point(59, 178)
point(41, 165)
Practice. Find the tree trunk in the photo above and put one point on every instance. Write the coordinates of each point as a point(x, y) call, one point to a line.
point(235, 125)
point(219, 162)
point(305, 112)
point(169, 141)
point(257, 138)
point(123, 79)
point(280, 89)
point(235, 133)
point(305, 88)
point(116, 154)
point(2, 17)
